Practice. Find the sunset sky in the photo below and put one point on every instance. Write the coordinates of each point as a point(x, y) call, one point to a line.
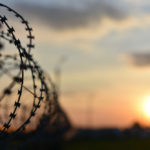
point(106, 45)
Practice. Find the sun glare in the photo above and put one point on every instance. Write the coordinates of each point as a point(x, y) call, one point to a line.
point(147, 107)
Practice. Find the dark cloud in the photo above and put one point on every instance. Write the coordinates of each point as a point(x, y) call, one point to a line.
point(68, 17)
point(140, 59)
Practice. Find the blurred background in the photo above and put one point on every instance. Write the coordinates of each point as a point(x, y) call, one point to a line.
point(98, 54)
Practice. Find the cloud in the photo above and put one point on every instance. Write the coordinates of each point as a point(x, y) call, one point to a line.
point(139, 59)
point(64, 17)
point(54, 30)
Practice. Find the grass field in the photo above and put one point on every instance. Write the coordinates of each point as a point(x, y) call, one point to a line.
point(95, 144)
point(124, 144)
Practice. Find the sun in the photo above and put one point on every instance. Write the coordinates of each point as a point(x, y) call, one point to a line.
point(146, 106)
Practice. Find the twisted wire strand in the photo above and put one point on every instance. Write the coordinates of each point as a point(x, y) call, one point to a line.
point(23, 61)
point(52, 100)
point(23, 66)
point(35, 64)
point(30, 37)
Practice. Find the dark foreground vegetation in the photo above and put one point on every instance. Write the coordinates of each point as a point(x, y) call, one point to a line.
point(89, 144)
point(107, 144)
point(134, 138)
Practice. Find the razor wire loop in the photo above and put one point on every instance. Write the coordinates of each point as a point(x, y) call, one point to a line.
point(34, 109)
point(27, 27)
point(35, 64)
point(30, 45)
point(17, 43)
point(30, 37)
point(22, 68)
point(47, 92)
point(45, 85)
point(8, 38)
point(51, 99)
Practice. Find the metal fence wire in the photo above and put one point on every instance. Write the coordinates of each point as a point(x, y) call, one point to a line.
point(28, 97)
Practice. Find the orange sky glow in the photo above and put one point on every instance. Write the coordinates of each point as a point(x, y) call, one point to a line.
point(105, 80)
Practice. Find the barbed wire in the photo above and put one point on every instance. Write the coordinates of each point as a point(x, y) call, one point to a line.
point(16, 67)
point(51, 97)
